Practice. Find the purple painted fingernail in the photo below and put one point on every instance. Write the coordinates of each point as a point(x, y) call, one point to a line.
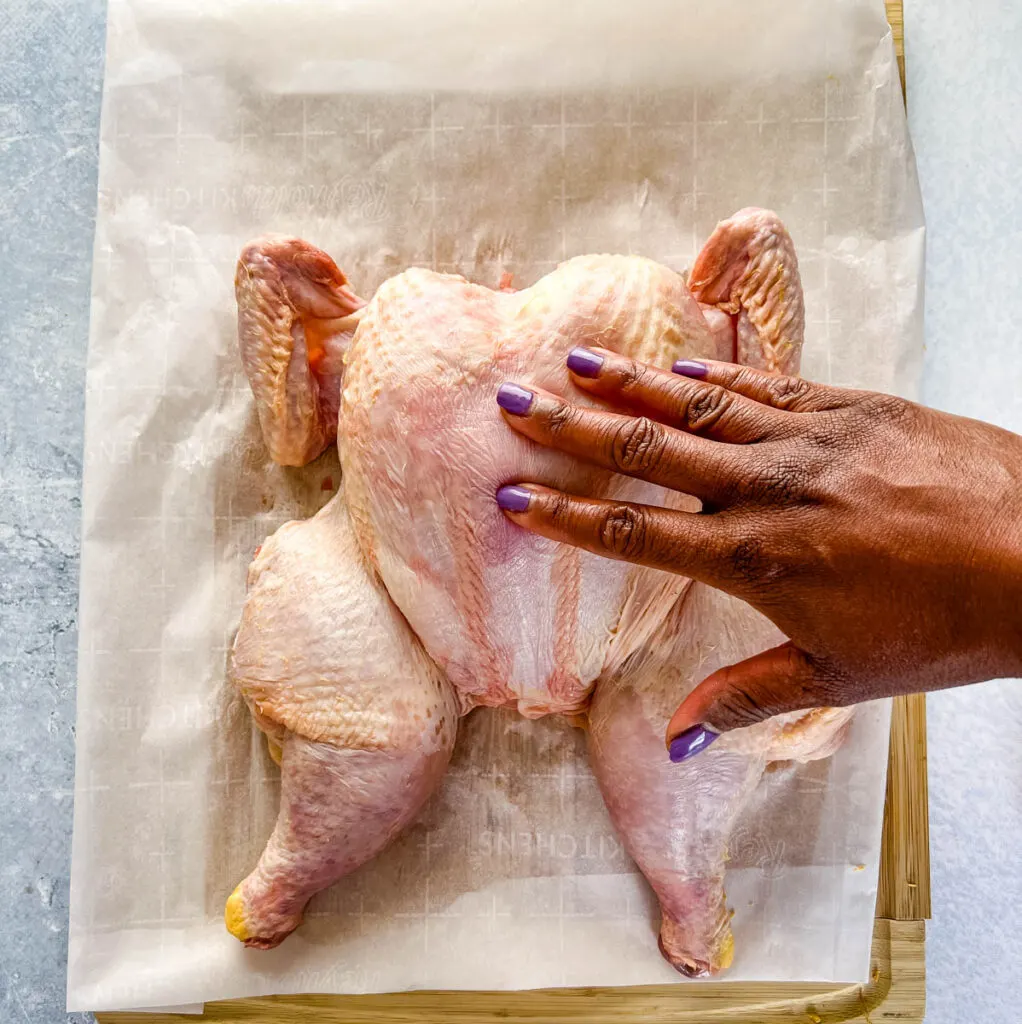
point(691, 742)
point(514, 399)
point(585, 363)
point(690, 368)
point(513, 498)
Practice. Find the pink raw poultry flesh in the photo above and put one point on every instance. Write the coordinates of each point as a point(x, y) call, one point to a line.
point(410, 599)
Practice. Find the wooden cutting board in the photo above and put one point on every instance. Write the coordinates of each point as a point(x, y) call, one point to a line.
point(896, 990)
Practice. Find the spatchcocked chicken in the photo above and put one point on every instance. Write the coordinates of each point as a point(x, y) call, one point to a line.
point(410, 599)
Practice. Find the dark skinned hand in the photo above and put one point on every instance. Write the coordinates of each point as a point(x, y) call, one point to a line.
point(883, 538)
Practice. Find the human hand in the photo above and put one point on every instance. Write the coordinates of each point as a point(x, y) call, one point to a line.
point(883, 538)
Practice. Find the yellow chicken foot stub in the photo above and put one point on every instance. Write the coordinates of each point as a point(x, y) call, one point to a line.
point(727, 952)
point(234, 916)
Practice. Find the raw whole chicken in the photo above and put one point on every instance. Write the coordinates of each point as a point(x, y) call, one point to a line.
point(410, 599)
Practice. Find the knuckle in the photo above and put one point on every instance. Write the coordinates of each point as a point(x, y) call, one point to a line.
point(736, 708)
point(871, 427)
point(560, 510)
point(623, 531)
point(782, 481)
point(758, 563)
point(634, 377)
point(745, 379)
point(705, 408)
point(887, 410)
point(746, 559)
point(788, 393)
point(832, 690)
point(823, 684)
point(560, 419)
point(637, 446)
point(829, 434)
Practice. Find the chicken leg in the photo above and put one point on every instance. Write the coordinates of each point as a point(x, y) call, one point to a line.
point(675, 820)
point(363, 722)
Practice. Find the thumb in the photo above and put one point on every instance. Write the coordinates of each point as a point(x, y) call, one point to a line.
point(771, 683)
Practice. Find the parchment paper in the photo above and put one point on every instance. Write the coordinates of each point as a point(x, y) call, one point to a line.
point(476, 137)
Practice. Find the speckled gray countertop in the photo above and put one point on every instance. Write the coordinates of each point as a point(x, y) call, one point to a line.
point(965, 85)
point(51, 64)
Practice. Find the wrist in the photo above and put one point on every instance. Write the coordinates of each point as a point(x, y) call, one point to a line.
point(1001, 564)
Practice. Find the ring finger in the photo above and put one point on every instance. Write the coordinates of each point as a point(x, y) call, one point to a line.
point(703, 547)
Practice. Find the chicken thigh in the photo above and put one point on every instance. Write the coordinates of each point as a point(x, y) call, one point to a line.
point(411, 599)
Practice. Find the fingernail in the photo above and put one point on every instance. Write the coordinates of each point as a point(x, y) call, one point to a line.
point(691, 742)
point(514, 399)
point(513, 498)
point(585, 363)
point(690, 368)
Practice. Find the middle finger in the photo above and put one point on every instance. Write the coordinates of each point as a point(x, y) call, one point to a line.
point(636, 446)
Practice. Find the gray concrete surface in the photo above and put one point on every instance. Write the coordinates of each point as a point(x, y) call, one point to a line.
point(51, 58)
point(965, 70)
